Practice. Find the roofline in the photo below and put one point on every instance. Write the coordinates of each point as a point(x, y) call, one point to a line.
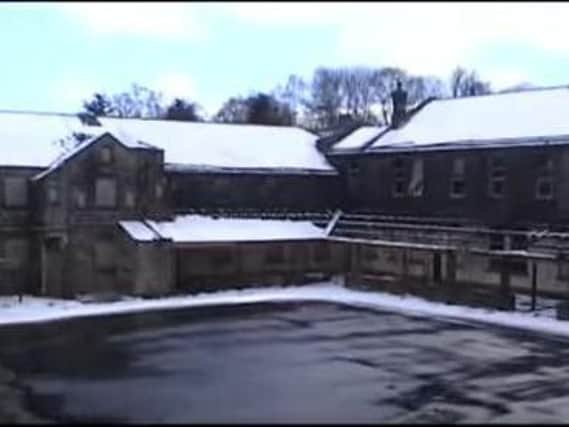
point(206, 169)
point(502, 93)
point(489, 144)
point(253, 240)
point(157, 119)
point(39, 113)
point(75, 151)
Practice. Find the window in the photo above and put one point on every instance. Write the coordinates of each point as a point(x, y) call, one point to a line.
point(17, 251)
point(496, 242)
point(52, 193)
point(15, 191)
point(563, 268)
point(416, 183)
point(105, 192)
point(79, 197)
point(106, 155)
point(544, 182)
point(457, 184)
point(497, 177)
point(321, 252)
point(159, 191)
point(129, 199)
point(275, 254)
point(517, 266)
point(399, 180)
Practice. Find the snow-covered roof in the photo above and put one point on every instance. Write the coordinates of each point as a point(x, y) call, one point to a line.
point(32, 139)
point(529, 117)
point(92, 137)
point(40, 139)
point(203, 229)
point(359, 137)
point(193, 144)
point(139, 231)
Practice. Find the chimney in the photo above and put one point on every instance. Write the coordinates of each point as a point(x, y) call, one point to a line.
point(399, 100)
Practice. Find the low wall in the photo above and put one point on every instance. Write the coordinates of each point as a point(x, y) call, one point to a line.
point(229, 265)
point(450, 275)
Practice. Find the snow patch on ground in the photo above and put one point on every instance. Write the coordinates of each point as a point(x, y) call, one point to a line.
point(38, 309)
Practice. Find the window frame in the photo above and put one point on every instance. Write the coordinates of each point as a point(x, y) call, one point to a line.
point(545, 175)
point(106, 159)
point(497, 174)
point(400, 181)
point(98, 203)
point(21, 181)
point(458, 175)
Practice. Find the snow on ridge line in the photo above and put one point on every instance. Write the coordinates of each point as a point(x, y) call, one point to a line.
point(319, 292)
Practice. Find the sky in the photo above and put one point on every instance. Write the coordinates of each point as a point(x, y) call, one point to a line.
point(55, 55)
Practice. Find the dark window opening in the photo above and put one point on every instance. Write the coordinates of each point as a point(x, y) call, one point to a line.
point(497, 177)
point(496, 242)
point(516, 266)
point(399, 188)
point(563, 268)
point(457, 188)
point(457, 184)
point(544, 190)
point(497, 187)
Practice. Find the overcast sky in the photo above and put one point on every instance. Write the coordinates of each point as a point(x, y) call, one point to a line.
point(56, 54)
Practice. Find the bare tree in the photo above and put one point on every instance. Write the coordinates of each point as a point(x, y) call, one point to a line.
point(467, 83)
point(182, 110)
point(326, 97)
point(234, 110)
point(100, 105)
point(139, 101)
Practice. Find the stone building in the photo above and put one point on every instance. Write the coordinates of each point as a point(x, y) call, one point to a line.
point(456, 195)
point(470, 190)
point(68, 182)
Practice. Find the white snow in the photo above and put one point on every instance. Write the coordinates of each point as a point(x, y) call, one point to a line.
point(139, 231)
point(36, 309)
point(358, 137)
point(199, 228)
point(481, 120)
point(95, 134)
point(32, 139)
point(226, 145)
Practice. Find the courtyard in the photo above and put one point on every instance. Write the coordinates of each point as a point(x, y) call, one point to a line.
point(303, 361)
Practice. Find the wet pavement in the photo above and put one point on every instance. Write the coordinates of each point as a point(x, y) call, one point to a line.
point(303, 362)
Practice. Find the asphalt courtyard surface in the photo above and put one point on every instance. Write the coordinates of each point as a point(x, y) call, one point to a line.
point(302, 362)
